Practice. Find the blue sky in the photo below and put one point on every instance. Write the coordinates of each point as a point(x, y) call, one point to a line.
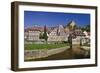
point(51, 19)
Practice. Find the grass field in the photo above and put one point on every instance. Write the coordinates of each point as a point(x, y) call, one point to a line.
point(43, 46)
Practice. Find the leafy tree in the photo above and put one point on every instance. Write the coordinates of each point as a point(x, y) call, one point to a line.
point(41, 36)
point(86, 28)
point(72, 26)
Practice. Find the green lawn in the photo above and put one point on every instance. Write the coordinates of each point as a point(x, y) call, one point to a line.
point(43, 46)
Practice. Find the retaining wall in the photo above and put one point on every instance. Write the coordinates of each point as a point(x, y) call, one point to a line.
point(33, 54)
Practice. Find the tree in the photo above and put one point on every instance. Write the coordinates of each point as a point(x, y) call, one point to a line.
point(45, 34)
point(41, 36)
point(70, 40)
point(86, 28)
point(72, 27)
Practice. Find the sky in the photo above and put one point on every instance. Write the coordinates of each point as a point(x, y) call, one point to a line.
point(52, 19)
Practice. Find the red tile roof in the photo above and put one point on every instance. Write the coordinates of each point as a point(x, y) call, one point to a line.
point(36, 28)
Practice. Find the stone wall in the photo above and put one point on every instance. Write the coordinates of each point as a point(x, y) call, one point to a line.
point(33, 54)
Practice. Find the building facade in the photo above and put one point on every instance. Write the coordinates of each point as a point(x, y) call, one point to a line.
point(55, 34)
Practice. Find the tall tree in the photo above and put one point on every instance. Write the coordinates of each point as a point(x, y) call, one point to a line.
point(45, 33)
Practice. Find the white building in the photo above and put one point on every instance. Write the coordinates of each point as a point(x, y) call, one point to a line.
point(31, 34)
point(57, 34)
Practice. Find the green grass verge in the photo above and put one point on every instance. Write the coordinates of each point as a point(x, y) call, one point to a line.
point(43, 46)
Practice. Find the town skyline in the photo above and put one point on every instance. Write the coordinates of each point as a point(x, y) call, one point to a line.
point(53, 19)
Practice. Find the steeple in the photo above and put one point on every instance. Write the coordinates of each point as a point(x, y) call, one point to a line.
point(70, 26)
point(60, 30)
point(71, 23)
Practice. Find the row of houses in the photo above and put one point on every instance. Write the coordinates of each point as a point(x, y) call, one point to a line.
point(55, 34)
